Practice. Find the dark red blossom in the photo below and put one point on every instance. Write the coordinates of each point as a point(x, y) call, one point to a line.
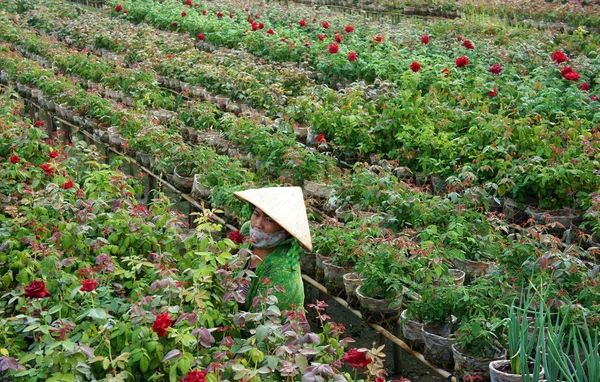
point(559, 57)
point(261, 25)
point(270, 31)
point(118, 8)
point(378, 38)
point(495, 69)
point(462, 61)
point(161, 323)
point(47, 169)
point(174, 24)
point(468, 44)
point(88, 285)
point(333, 48)
point(338, 38)
point(349, 29)
point(320, 37)
point(321, 138)
point(236, 237)
point(352, 56)
point(584, 86)
point(67, 185)
point(460, 38)
point(183, 13)
point(14, 159)
point(566, 69)
point(356, 358)
point(36, 289)
point(425, 39)
point(302, 23)
point(231, 15)
point(195, 376)
point(39, 124)
point(53, 154)
point(201, 36)
point(325, 24)
point(204, 12)
point(219, 14)
point(188, 2)
point(594, 98)
point(446, 71)
point(572, 76)
point(254, 26)
point(493, 92)
point(415, 66)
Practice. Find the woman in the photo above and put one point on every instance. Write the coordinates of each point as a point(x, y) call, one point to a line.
point(278, 229)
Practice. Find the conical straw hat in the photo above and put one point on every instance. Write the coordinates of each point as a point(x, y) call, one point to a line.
point(285, 205)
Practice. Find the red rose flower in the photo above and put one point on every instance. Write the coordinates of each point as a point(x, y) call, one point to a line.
point(67, 185)
point(352, 56)
point(219, 14)
point(282, 39)
point(126, 12)
point(169, 55)
point(47, 169)
point(349, 29)
point(246, 9)
point(378, 38)
point(425, 39)
point(39, 124)
point(256, 16)
point(254, 26)
point(460, 38)
point(572, 76)
point(495, 69)
point(36, 289)
point(415, 66)
point(307, 44)
point(161, 323)
point(325, 24)
point(188, 2)
point(201, 36)
point(584, 86)
point(321, 138)
point(493, 92)
point(462, 61)
point(88, 285)
point(446, 71)
point(380, 379)
point(320, 37)
point(261, 25)
point(14, 159)
point(204, 12)
point(559, 57)
point(333, 48)
point(302, 23)
point(236, 237)
point(356, 358)
point(118, 8)
point(468, 44)
point(338, 38)
point(183, 13)
point(195, 376)
point(231, 15)
point(53, 154)
point(594, 98)
point(271, 31)
point(174, 24)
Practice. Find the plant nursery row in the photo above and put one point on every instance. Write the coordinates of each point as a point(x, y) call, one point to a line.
point(418, 148)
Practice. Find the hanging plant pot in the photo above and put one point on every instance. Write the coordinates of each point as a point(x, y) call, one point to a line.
point(319, 267)
point(464, 364)
point(308, 264)
point(334, 278)
point(438, 345)
point(412, 331)
point(199, 191)
point(352, 281)
point(379, 311)
point(182, 183)
point(500, 372)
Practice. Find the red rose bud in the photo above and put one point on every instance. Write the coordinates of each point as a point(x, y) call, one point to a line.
point(559, 57)
point(219, 14)
point(333, 48)
point(201, 36)
point(161, 323)
point(460, 38)
point(169, 55)
point(321, 138)
point(67, 185)
point(495, 69)
point(118, 8)
point(320, 37)
point(14, 159)
point(352, 56)
point(270, 31)
point(88, 285)
point(246, 9)
point(257, 16)
point(566, 69)
point(236, 237)
point(47, 169)
point(254, 26)
point(39, 124)
point(493, 92)
point(446, 71)
point(338, 38)
point(356, 358)
point(195, 376)
point(584, 86)
point(282, 39)
point(325, 24)
point(462, 61)
point(594, 98)
point(415, 66)
point(183, 13)
point(378, 38)
point(231, 15)
point(261, 25)
point(36, 289)
point(349, 29)
point(425, 39)
point(204, 12)
point(302, 23)
point(188, 2)
point(468, 44)
point(53, 154)
point(174, 24)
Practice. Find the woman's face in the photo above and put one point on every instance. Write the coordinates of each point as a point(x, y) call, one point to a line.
point(263, 222)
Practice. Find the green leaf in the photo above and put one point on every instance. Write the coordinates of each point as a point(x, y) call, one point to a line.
point(98, 314)
point(262, 332)
point(144, 363)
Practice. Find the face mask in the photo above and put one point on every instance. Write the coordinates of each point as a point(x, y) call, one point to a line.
point(263, 240)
